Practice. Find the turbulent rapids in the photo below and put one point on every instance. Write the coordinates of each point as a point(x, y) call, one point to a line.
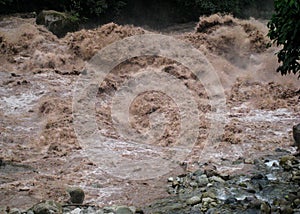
point(39, 71)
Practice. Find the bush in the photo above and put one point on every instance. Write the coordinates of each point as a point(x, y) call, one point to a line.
point(284, 29)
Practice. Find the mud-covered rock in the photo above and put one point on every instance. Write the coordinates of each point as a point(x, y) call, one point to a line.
point(58, 23)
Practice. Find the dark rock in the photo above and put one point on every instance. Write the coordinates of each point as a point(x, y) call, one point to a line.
point(287, 210)
point(258, 176)
point(296, 135)
point(265, 208)
point(58, 23)
point(2, 163)
point(76, 195)
point(231, 200)
point(297, 202)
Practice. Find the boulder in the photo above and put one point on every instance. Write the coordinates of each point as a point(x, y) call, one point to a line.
point(76, 195)
point(296, 135)
point(57, 22)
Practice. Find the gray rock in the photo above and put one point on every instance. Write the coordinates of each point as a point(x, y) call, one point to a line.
point(193, 184)
point(76, 195)
point(217, 179)
point(202, 180)
point(207, 200)
point(209, 194)
point(47, 207)
point(90, 210)
point(124, 210)
point(194, 200)
point(58, 23)
point(15, 211)
point(212, 211)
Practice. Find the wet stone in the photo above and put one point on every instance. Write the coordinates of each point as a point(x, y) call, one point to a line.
point(76, 195)
point(296, 135)
point(76, 211)
point(297, 202)
point(265, 208)
point(193, 200)
point(15, 211)
point(217, 179)
point(124, 210)
point(47, 207)
point(209, 194)
point(193, 184)
point(287, 210)
point(230, 200)
point(202, 180)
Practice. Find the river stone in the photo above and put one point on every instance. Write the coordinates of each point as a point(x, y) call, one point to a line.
point(124, 210)
point(193, 184)
point(296, 135)
point(207, 200)
point(265, 208)
point(47, 207)
point(287, 210)
point(248, 161)
point(58, 23)
point(194, 200)
point(217, 179)
point(287, 161)
point(15, 211)
point(202, 180)
point(76, 195)
point(209, 194)
point(76, 211)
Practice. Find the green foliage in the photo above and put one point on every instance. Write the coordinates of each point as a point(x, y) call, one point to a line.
point(206, 7)
point(92, 8)
point(284, 29)
point(81, 8)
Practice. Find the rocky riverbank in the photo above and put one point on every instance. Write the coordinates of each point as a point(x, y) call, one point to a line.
point(271, 185)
